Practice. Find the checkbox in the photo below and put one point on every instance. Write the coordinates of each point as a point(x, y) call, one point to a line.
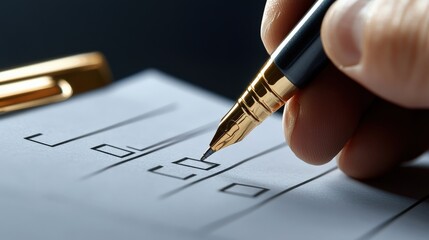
point(244, 190)
point(112, 150)
point(171, 174)
point(196, 163)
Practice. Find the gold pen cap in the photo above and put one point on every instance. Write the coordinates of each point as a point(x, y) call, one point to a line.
point(52, 81)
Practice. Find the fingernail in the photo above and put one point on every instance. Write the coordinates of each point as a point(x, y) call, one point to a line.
point(343, 31)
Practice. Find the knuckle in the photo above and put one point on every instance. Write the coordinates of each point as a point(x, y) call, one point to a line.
point(396, 48)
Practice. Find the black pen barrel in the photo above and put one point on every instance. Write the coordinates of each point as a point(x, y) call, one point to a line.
point(300, 56)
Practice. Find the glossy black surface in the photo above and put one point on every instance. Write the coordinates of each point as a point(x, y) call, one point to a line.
point(303, 55)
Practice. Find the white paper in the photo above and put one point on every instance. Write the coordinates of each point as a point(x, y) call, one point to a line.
point(119, 163)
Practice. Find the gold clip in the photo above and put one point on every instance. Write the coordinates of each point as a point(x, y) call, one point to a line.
point(52, 81)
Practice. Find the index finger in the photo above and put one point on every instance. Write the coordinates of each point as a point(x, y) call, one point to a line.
point(280, 16)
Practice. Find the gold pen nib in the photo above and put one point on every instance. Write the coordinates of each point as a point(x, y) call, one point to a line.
point(207, 154)
point(266, 94)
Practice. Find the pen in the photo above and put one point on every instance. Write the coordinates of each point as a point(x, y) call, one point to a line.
point(292, 65)
point(52, 81)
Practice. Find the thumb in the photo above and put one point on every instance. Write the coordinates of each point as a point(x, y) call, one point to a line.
point(383, 45)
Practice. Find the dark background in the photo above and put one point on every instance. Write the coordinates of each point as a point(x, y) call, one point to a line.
point(213, 44)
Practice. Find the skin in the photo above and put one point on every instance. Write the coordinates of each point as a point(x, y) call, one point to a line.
point(369, 109)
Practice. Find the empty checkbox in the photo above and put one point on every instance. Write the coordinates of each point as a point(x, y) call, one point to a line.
point(112, 150)
point(244, 190)
point(196, 163)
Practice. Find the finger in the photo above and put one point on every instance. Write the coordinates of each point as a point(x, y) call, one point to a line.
point(383, 45)
point(321, 118)
point(386, 137)
point(280, 16)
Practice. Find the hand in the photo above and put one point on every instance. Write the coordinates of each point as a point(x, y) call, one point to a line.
point(368, 109)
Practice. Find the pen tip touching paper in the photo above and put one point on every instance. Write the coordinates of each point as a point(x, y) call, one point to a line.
point(207, 154)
